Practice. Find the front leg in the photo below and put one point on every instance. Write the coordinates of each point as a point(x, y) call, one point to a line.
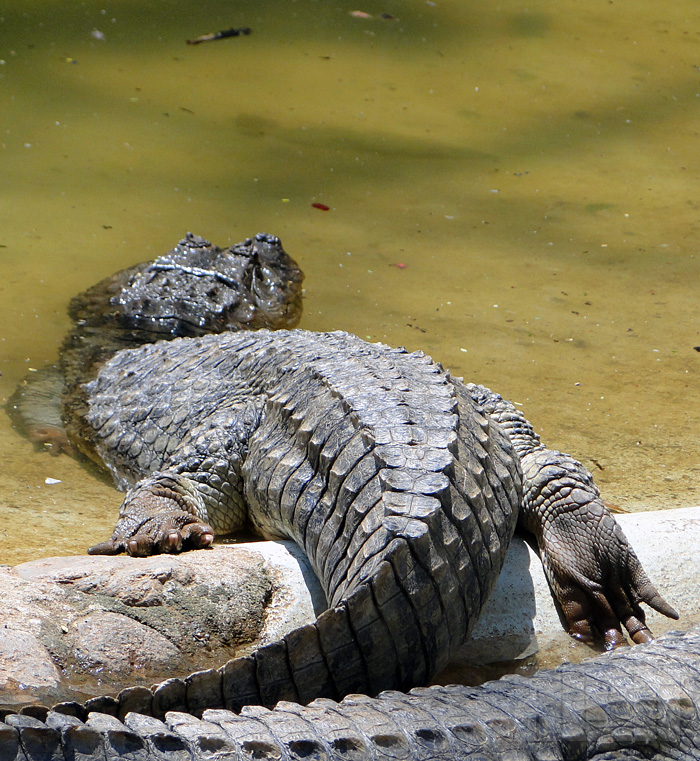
point(197, 491)
point(591, 568)
point(162, 513)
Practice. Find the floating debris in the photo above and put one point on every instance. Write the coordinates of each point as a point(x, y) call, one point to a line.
point(365, 15)
point(220, 35)
point(321, 206)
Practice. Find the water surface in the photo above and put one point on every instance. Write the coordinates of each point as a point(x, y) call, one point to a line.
point(512, 189)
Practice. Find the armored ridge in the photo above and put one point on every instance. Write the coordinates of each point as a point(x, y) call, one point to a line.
point(400, 489)
point(640, 703)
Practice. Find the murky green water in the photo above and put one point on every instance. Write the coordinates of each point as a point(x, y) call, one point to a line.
point(512, 188)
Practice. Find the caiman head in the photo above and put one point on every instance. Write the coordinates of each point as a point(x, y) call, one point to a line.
point(198, 288)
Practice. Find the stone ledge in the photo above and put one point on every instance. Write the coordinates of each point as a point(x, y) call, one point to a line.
point(96, 623)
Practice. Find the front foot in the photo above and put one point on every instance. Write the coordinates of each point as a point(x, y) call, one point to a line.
point(159, 535)
point(161, 514)
point(597, 578)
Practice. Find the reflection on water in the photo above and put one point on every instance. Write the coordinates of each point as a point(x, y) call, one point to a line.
point(512, 188)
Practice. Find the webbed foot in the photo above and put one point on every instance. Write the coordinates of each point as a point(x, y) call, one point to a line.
point(52, 437)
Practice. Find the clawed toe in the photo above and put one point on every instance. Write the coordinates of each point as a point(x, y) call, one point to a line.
point(140, 546)
point(614, 638)
point(105, 548)
point(197, 536)
point(192, 536)
point(173, 542)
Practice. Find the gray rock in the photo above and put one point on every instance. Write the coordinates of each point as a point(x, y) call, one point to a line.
point(94, 623)
point(119, 644)
point(25, 663)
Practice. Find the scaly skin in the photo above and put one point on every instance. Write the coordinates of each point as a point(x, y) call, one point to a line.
point(591, 568)
point(640, 703)
point(400, 489)
point(402, 495)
